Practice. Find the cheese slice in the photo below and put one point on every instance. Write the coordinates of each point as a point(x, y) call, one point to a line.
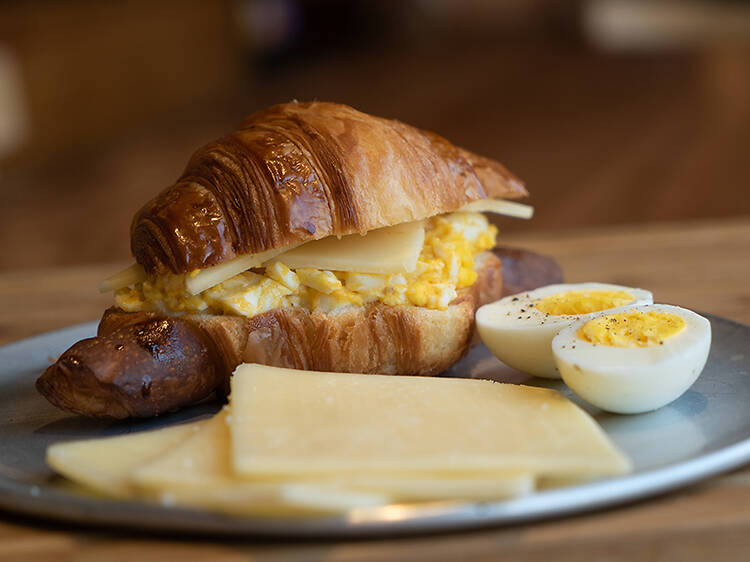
point(198, 472)
point(292, 423)
point(105, 464)
point(206, 278)
point(273, 499)
point(200, 460)
point(394, 249)
point(499, 207)
point(128, 276)
point(431, 487)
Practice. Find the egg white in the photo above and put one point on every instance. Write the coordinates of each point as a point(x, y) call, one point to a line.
point(638, 379)
point(521, 336)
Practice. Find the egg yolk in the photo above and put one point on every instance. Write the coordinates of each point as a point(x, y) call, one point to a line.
point(445, 265)
point(632, 329)
point(582, 302)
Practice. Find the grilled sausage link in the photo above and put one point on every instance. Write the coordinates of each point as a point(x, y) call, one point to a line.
point(140, 369)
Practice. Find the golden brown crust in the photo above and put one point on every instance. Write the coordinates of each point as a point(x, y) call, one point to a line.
point(302, 171)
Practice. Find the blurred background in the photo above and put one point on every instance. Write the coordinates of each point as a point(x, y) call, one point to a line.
point(612, 111)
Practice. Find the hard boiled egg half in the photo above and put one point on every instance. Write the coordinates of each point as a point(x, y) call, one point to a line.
point(633, 360)
point(519, 329)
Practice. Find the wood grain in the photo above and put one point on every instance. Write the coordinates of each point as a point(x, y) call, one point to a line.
point(703, 265)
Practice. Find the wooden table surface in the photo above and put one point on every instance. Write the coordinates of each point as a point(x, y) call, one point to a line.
point(702, 265)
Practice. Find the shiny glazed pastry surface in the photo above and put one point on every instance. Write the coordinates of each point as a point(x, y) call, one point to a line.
point(303, 171)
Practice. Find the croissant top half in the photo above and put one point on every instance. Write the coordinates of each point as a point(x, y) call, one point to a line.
point(302, 171)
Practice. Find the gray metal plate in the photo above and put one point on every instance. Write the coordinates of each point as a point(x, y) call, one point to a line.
point(705, 432)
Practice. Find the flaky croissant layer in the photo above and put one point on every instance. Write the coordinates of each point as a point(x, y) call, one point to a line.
point(303, 171)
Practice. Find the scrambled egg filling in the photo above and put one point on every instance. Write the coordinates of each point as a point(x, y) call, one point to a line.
point(632, 329)
point(445, 265)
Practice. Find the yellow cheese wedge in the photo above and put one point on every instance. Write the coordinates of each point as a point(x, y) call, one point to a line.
point(292, 423)
point(105, 464)
point(393, 249)
point(500, 207)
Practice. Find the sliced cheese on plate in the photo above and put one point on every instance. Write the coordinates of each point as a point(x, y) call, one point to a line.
point(273, 499)
point(198, 472)
point(105, 464)
point(200, 460)
point(303, 442)
point(293, 423)
point(432, 487)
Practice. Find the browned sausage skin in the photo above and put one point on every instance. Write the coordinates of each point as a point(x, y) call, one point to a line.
point(141, 369)
point(143, 364)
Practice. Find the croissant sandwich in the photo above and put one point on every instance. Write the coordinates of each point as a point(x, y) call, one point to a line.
point(313, 237)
